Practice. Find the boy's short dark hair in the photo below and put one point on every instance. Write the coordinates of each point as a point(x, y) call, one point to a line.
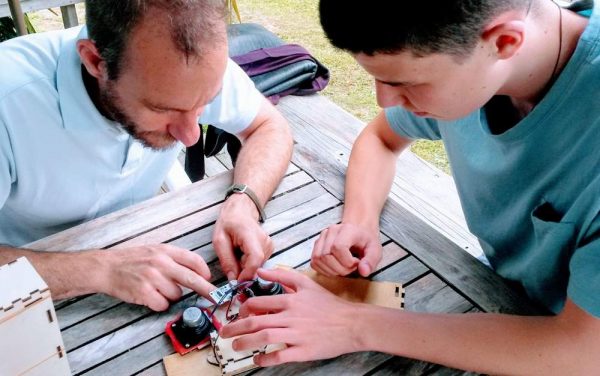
point(194, 23)
point(420, 26)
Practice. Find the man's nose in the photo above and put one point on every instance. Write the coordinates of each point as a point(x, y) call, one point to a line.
point(388, 96)
point(185, 128)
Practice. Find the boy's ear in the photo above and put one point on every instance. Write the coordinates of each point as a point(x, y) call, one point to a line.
point(91, 59)
point(505, 37)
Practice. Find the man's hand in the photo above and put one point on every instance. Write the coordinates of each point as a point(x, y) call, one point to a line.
point(238, 229)
point(343, 248)
point(312, 322)
point(151, 275)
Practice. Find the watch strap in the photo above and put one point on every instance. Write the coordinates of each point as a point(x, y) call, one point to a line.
point(243, 188)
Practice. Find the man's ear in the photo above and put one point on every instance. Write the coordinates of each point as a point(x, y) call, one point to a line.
point(505, 37)
point(91, 59)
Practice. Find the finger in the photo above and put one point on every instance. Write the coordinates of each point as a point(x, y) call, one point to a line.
point(318, 246)
point(251, 324)
point(289, 354)
point(332, 263)
point(260, 339)
point(288, 278)
point(255, 257)
point(190, 260)
point(370, 260)
point(321, 267)
point(332, 233)
point(316, 266)
point(225, 252)
point(341, 250)
point(167, 288)
point(190, 279)
point(153, 299)
point(262, 304)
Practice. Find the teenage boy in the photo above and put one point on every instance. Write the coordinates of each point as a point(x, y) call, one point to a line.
point(510, 86)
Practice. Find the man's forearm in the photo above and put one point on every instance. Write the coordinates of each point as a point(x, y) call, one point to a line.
point(67, 274)
point(265, 156)
point(485, 343)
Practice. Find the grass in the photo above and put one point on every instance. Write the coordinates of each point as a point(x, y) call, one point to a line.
point(297, 21)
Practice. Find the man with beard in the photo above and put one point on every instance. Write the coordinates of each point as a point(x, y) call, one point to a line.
point(91, 121)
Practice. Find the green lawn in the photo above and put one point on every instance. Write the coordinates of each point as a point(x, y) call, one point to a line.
point(297, 21)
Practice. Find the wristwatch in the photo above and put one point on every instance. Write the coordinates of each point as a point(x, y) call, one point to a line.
point(243, 188)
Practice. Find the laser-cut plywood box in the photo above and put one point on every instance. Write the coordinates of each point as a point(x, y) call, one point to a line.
point(30, 340)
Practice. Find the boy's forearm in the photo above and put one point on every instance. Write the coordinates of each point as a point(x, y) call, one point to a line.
point(369, 178)
point(485, 343)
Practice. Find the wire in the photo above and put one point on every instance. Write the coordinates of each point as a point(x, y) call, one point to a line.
point(235, 291)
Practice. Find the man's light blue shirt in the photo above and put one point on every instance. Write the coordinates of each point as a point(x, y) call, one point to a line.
point(532, 194)
point(61, 161)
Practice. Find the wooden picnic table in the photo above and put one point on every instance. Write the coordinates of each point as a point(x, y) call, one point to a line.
point(105, 336)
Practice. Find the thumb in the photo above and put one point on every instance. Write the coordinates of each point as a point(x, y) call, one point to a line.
point(370, 259)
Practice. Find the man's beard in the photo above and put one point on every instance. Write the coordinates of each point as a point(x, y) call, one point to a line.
point(111, 104)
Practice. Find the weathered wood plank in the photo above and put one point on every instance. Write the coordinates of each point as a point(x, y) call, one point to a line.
point(135, 360)
point(347, 365)
point(403, 272)
point(122, 340)
point(155, 370)
point(404, 366)
point(390, 254)
point(431, 294)
point(84, 308)
point(225, 159)
point(213, 166)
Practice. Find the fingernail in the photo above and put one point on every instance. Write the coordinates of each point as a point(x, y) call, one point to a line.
point(230, 276)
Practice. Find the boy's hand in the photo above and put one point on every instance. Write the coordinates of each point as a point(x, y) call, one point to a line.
point(311, 321)
point(344, 248)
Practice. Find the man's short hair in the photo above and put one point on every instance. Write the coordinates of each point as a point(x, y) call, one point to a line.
point(420, 26)
point(194, 24)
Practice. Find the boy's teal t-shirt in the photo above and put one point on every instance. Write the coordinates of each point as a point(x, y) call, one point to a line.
point(532, 194)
